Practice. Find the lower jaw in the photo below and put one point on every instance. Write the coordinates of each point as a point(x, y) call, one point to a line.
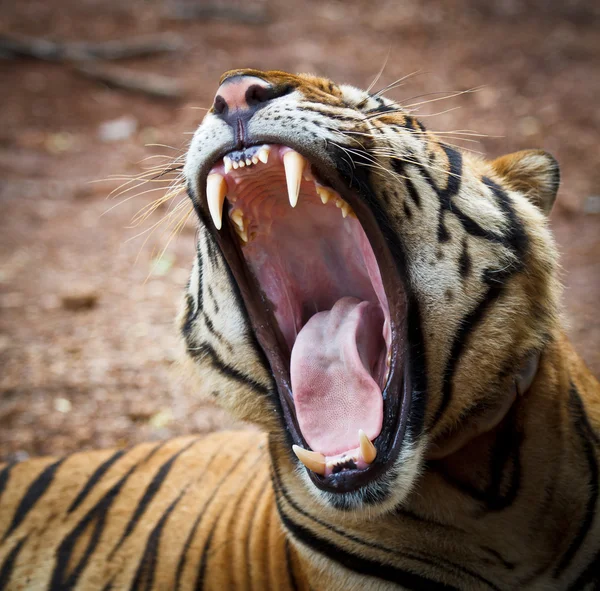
point(397, 402)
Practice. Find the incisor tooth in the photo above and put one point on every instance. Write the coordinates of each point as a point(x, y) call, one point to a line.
point(254, 160)
point(216, 189)
point(313, 460)
point(263, 155)
point(241, 164)
point(234, 164)
point(294, 165)
point(367, 450)
point(248, 162)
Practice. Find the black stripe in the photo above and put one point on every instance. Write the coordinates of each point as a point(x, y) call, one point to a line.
point(148, 495)
point(200, 579)
point(430, 561)
point(249, 539)
point(198, 520)
point(516, 235)
point(94, 479)
point(198, 351)
point(144, 576)
point(215, 333)
point(33, 494)
point(8, 565)
point(465, 328)
point(464, 262)
point(399, 167)
point(503, 487)
point(212, 251)
point(63, 581)
point(586, 435)
point(204, 558)
point(214, 300)
point(353, 562)
point(591, 574)
point(290, 567)
point(5, 475)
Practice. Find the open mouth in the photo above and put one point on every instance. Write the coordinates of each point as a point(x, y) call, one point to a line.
point(326, 304)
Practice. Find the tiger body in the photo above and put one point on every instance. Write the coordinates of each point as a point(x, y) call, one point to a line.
point(90, 517)
point(486, 478)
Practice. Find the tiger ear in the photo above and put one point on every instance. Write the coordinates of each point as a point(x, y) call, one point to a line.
point(534, 173)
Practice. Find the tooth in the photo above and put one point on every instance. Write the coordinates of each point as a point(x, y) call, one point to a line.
point(216, 189)
point(234, 164)
point(237, 217)
point(311, 459)
point(248, 162)
point(367, 450)
point(263, 155)
point(294, 164)
point(254, 160)
point(345, 210)
point(323, 193)
point(227, 163)
point(339, 202)
point(241, 164)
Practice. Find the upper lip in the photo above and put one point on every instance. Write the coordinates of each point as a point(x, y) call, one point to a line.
point(395, 410)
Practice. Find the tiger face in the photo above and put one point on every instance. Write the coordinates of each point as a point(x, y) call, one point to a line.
point(369, 295)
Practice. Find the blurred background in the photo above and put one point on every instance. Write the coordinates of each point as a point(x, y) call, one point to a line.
point(94, 93)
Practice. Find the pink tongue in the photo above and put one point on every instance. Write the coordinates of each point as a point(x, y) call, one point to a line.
point(332, 363)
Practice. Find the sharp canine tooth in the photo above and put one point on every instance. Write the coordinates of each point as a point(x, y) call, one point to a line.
point(294, 165)
point(313, 460)
point(227, 163)
point(248, 162)
point(216, 189)
point(367, 450)
point(263, 155)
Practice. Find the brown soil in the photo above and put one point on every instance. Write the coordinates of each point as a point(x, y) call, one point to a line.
point(87, 342)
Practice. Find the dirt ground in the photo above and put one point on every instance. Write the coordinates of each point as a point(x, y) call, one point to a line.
point(87, 343)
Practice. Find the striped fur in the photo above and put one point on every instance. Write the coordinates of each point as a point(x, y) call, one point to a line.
point(489, 491)
point(156, 516)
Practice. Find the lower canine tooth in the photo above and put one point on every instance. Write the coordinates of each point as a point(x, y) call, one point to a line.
point(311, 459)
point(367, 450)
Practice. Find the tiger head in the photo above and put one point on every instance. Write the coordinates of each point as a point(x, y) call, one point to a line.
point(368, 294)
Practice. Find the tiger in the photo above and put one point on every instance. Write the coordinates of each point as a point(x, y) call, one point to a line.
point(385, 307)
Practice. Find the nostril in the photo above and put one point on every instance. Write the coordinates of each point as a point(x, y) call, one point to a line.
point(220, 105)
point(258, 94)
